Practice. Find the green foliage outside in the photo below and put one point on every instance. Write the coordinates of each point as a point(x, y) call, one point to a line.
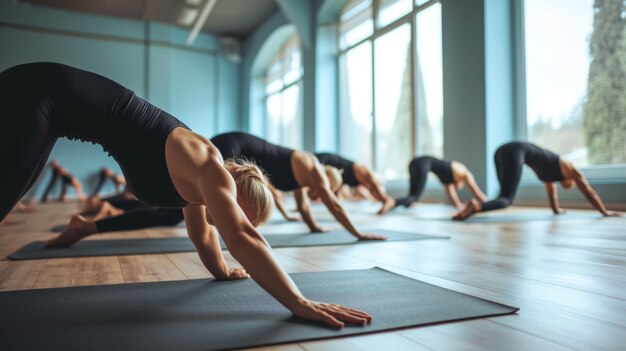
point(604, 111)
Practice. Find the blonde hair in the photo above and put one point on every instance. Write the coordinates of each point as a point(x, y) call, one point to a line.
point(252, 189)
point(334, 177)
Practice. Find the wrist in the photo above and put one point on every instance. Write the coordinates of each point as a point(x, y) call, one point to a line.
point(295, 301)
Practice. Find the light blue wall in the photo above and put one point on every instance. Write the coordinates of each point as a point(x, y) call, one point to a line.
point(194, 83)
point(254, 49)
point(465, 126)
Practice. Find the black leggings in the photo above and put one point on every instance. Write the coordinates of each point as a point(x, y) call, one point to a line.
point(30, 141)
point(102, 177)
point(140, 218)
point(126, 204)
point(509, 164)
point(418, 171)
point(65, 180)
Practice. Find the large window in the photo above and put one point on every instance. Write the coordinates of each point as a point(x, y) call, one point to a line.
point(575, 65)
point(391, 104)
point(283, 106)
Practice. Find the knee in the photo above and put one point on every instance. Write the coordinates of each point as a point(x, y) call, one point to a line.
point(505, 202)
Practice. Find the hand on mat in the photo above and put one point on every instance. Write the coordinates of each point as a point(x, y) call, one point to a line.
point(364, 237)
point(294, 219)
point(613, 214)
point(331, 314)
point(235, 274)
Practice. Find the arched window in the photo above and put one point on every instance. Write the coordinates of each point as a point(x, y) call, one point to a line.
point(283, 101)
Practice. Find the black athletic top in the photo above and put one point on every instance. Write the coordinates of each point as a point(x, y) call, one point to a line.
point(543, 162)
point(89, 107)
point(345, 165)
point(274, 159)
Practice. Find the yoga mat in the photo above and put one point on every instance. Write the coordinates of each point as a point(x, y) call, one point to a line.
point(61, 227)
point(513, 218)
point(209, 315)
point(37, 249)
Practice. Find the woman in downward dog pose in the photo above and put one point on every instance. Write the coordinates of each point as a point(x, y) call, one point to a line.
point(165, 164)
point(292, 170)
point(356, 175)
point(103, 175)
point(452, 174)
point(549, 167)
point(66, 179)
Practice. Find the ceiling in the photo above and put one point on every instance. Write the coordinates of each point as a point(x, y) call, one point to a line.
point(237, 18)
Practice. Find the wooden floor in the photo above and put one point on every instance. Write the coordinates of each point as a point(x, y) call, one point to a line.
point(567, 276)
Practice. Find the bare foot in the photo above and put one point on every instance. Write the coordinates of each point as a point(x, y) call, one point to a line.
point(387, 205)
point(92, 205)
point(77, 229)
point(24, 208)
point(9, 221)
point(81, 197)
point(107, 211)
point(472, 207)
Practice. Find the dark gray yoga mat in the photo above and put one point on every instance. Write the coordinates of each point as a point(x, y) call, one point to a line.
point(209, 315)
point(61, 227)
point(513, 218)
point(37, 250)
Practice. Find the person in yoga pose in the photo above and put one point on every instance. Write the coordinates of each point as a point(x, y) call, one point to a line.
point(112, 219)
point(358, 175)
point(95, 204)
point(292, 170)
point(549, 168)
point(66, 179)
point(165, 165)
point(105, 173)
point(452, 174)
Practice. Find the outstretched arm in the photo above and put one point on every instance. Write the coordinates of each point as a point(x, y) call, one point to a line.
point(371, 183)
point(205, 238)
point(249, 248)
point(319, 184)
point(304, 207)
point(553, 198)
point(591, 194)
point(279, 205)
point(474, 188)
point(453, 196)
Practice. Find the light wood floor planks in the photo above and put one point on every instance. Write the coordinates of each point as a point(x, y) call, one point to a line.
point(567, 276)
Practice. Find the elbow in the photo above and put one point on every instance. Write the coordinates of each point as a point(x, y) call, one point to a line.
point(243, 242)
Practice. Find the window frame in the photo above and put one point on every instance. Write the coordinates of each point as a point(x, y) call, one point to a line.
point(377, 32)
point(282, 53)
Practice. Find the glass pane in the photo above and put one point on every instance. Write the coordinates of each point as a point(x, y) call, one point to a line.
point(420, 2)
point(274, 111)
point(294, 70)
point(391, 10)
point(292, 121)
point(575, 96)
point(273, 86)
point(393, 103)
point(356, 28)
point(356, 104)
point(429, 94)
